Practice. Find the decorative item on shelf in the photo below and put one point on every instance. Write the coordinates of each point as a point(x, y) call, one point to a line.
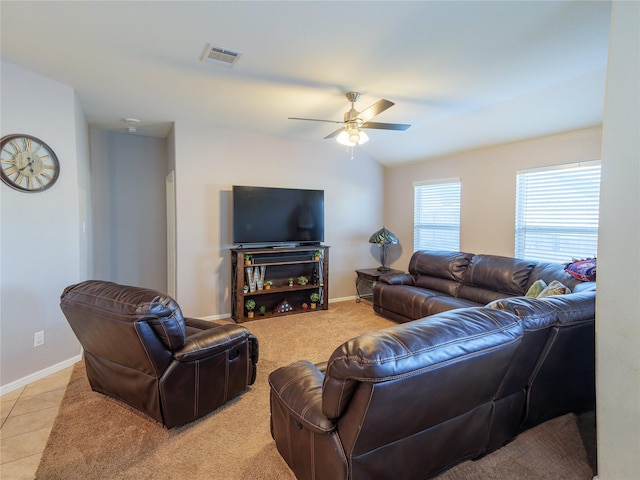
point(283, 307)
point(258, 276)
point(305, 306)
point(317, 255)
point(291, 282)
point(267, 284)
point(247, 259)
point(302, 280)
point(382, 238)
point(245, 289)
point(250, 279)
point(250, 304)
point(262, 310)
point(314, 297)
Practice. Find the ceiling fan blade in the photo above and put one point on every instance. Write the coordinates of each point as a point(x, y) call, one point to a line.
point(386, 126)
point(375, 109)
point(314, 120)
point(334, 134)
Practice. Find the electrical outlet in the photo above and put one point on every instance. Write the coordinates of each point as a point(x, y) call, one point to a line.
point(38, 338)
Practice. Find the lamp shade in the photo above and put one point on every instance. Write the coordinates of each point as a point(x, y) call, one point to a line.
point(383, 237)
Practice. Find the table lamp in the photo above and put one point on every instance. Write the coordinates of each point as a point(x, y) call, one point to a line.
point(382, 238)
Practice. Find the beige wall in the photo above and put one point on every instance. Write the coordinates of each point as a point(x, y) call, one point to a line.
point(488, 176)
point(44, 236)
point(618, 302)
point(208, 161)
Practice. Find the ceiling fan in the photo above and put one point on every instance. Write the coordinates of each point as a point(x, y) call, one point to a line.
point(350, 133)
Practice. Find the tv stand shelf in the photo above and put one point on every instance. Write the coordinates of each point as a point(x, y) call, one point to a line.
point(278, 265)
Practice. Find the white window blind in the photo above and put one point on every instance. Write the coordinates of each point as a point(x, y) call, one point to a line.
point(436, 215)
point(557, 212)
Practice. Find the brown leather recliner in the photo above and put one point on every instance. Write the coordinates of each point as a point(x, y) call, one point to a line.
point(138, 348)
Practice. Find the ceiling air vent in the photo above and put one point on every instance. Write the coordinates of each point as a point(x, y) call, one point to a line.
point(220, 56)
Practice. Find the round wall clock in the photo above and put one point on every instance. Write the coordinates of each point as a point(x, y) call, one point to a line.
point(28, 164)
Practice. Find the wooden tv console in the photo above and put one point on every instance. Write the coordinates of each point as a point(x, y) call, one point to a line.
point(279, 264)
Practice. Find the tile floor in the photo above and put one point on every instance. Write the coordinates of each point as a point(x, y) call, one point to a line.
point(27, 415)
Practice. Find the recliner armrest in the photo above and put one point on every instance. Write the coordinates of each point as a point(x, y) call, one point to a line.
point(208, 342)
point(397, 279)
point(298, 387)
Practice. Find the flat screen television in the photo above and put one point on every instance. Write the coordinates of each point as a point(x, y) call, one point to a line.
point(271, 216)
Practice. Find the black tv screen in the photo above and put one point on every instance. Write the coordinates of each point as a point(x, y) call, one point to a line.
point(265, 215)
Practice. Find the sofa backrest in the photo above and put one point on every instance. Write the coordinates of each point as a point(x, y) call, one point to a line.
point(130, 326)
point(408, 387)
point(490, 277)
point(563, 379)
point(439, 270)
point(485, 278)
point(408, 348)
point(549, 272)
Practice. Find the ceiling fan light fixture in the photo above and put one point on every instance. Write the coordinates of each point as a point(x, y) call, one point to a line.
point(350, 137)
point(354, 135)
point(343, 139)
point(350, 134)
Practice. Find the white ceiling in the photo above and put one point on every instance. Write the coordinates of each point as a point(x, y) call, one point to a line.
point(463, 74)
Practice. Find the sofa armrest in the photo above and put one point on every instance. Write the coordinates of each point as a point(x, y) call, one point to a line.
point(211, 341)
point(397, 279)
point(298, 388)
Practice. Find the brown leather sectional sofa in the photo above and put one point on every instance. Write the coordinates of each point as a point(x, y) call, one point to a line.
point(439, 281)
point(415, 399)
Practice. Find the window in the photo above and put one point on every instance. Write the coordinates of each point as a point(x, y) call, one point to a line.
point(557, 212)
point(436, 215)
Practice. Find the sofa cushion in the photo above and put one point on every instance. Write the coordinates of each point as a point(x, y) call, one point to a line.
point(537, 288)
point(450, 287)
point(404, 300)
point(447, 265)
point(444, 303)
point(499, 274)
point(554, 288)
point(584, 270)
point(411, 303)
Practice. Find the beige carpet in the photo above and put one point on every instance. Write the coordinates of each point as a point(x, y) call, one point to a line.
point(95, 437)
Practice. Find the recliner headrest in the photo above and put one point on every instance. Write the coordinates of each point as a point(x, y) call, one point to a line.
point(134, 304)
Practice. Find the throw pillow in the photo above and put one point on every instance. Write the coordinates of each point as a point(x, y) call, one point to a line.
point(536, 288)
point(584, 270)
point(554, 288)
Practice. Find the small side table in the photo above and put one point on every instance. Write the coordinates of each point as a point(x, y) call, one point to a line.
point(366, 279)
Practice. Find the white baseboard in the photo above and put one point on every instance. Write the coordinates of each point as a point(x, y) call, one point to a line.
point(24, 381)
point(210, 318)
point(342, 299)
